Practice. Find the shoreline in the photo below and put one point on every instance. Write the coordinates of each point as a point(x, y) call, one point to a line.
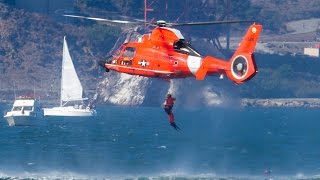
point(281, 102)
point(245, 102)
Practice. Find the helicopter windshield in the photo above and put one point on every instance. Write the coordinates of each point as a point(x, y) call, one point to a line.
point(185, 47)
point(129, 52)
point(127, 55)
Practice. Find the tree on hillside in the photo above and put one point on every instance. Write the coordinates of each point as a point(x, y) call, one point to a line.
point(102, 36)
point(124, 7)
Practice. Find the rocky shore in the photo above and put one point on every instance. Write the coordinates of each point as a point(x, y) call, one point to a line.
point(282, 102)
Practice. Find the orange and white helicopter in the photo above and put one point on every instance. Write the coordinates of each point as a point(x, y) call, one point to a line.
point(164, 53)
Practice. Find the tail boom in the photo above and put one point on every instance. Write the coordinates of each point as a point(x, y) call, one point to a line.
point(242, 65)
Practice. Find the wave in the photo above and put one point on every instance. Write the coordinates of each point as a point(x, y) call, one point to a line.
point(56, 175)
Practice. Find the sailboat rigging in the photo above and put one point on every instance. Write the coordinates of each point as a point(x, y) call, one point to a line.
point(71, 91)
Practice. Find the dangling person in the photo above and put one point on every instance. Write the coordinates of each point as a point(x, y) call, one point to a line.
point(168, 105)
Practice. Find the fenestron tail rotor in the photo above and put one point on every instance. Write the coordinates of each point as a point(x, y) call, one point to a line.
point(239, 67)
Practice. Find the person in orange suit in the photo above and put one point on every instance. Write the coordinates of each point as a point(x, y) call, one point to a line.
point(168, 105)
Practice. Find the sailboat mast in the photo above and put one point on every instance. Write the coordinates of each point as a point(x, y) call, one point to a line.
point(34, 89)
point(14, 90)
point(61, 80)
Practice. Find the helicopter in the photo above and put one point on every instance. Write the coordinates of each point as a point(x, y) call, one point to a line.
point(164, 53)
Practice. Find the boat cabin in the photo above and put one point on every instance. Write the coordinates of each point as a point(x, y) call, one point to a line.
point(26, 106)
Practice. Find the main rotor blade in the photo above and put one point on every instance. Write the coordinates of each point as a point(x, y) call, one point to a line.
point(102, 19)
point(208, 23)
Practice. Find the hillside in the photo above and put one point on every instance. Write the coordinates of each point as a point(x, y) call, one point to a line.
point(31, 52)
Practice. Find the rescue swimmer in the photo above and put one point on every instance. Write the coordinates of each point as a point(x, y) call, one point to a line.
point(168, 105)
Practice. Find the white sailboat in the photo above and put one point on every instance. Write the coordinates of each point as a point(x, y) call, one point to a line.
point(71, 91)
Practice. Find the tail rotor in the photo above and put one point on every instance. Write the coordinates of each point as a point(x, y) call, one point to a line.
point(243, 65)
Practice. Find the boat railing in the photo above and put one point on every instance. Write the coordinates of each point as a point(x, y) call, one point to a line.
point(25, 97)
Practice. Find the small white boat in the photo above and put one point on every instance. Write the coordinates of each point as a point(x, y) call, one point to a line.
point(26, 111)
point(71, 93)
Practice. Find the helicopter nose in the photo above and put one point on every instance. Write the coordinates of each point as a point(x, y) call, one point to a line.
point(101, 63)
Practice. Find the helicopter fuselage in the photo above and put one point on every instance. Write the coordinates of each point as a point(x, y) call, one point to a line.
point(164, 53)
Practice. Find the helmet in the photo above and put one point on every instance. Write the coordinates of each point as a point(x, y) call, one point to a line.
point(168, 95)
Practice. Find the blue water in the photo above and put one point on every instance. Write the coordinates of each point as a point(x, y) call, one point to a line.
point(138, 143)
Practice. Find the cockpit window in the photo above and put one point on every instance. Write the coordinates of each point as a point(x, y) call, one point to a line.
point(17, 108)
point(117, 54)
point(28, 108)
point(129, 52)
point(185, 47)
point(127, 56)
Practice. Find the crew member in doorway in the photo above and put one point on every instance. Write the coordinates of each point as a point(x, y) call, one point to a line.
point(168, 105)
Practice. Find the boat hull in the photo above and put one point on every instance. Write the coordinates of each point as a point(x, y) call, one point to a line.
point(23, 120)
point(25, 111)
point(68, 111)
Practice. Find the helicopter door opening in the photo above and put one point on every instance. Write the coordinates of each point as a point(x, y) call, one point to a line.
point(127, 56)
point(182, 46)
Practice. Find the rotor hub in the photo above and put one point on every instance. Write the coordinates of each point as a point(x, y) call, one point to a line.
point(161, 23)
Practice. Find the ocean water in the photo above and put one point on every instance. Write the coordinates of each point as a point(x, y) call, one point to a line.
point(138, 143)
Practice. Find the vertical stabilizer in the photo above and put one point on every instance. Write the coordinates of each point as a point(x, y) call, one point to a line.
point(242, 64)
